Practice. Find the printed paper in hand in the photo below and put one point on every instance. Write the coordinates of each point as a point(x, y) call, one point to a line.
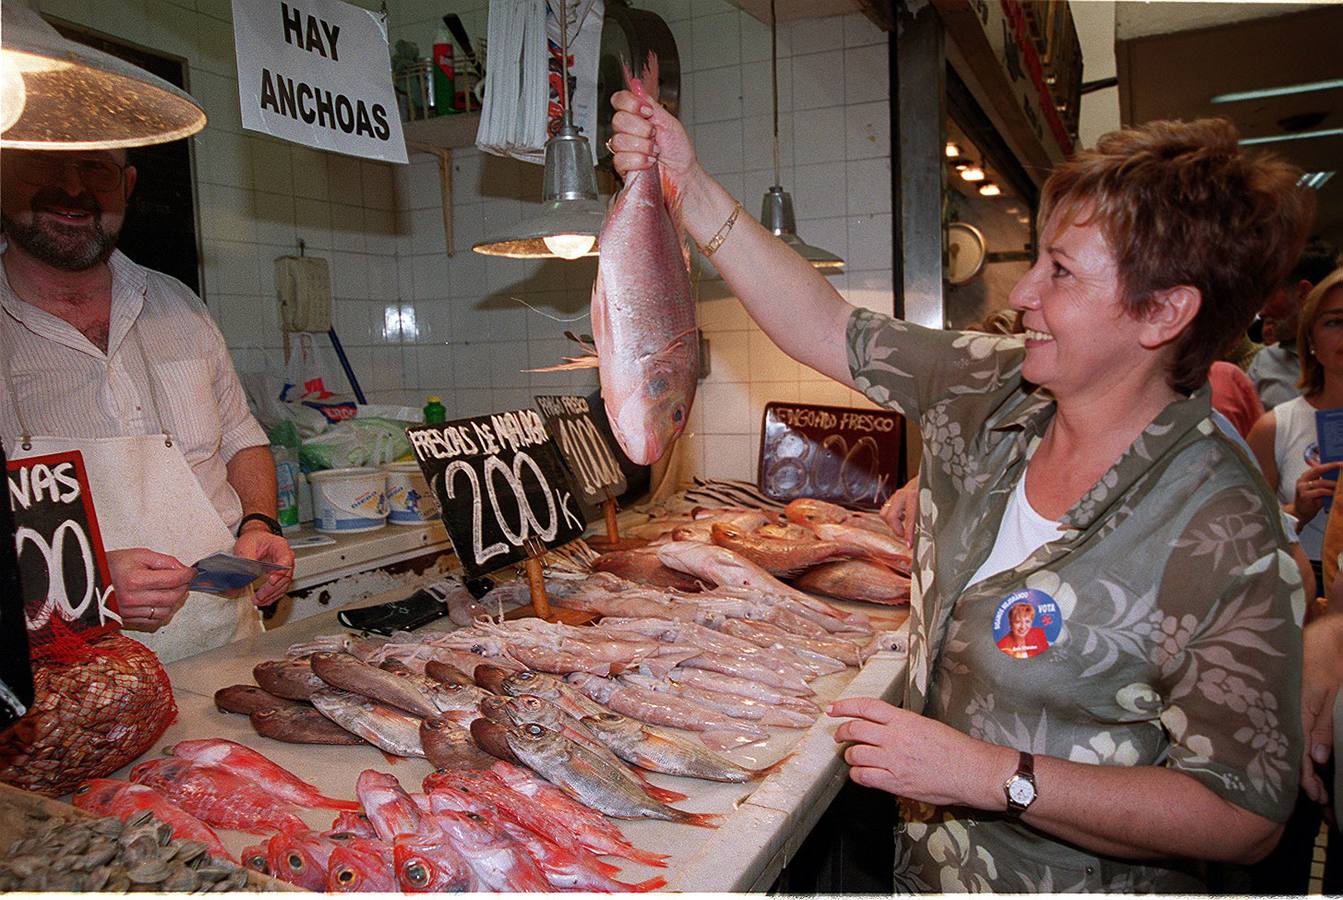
point(224, 574)
point(1329, 434)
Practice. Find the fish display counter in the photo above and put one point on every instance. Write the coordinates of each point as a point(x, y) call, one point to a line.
point(758, 825)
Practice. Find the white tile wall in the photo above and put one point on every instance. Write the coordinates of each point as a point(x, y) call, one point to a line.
point(415, 320)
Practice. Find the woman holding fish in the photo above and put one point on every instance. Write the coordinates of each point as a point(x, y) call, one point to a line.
point(1073, 468)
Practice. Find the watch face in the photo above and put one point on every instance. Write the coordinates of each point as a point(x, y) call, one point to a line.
point(1020, 791)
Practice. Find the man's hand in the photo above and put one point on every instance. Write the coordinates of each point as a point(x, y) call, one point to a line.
point(150, 587)
point(1320, 675)
point(256, 542)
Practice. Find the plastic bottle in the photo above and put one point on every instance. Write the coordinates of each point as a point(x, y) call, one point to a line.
point(435, 411)
point(286, 470)
point(444, 94)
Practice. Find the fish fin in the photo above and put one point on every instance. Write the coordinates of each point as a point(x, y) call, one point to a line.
point(644, 857)
point(664, 795)
point(771, 769)
point(721, 740)
point(583, 340)
point(333, 803)
point(643, 887)
point(570, 363)
point(645, 85)
point(699, 820)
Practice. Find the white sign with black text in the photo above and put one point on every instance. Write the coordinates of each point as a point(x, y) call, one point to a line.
point(316, 72)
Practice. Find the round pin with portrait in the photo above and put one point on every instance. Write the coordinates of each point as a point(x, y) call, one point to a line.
point(1026, 623)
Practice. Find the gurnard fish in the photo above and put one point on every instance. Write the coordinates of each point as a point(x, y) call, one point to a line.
point(564, 868)
point(256, 768)
point(123, 799)
point(300, 725)
point(382, 726)
point(246, 699)
point(589, 827)
point(587, 777)
point(361, 865)
point(809, 511)
point(644, 567)
point(780, 557)
point(725, 568)
point(341, 670)
point(292, 679)
point(643, 311)
point(216, 796)
point(301, 858)
point(659, 750)
point(857, 579)
point(717, 730)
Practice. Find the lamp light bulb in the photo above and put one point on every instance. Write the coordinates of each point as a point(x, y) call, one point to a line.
point(953, 150)
point(972, 173)
point(569, 246)
point(989, 189)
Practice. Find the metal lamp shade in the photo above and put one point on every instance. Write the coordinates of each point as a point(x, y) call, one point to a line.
point(776, 214)
point(569, 202)
point(74, 97)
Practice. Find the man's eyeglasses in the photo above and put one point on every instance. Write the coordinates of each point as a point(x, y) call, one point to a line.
point(40, 169)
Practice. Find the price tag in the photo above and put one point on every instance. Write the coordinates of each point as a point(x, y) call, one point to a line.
point(62, 566)
point(499, 482)
point(837, 453)
point(591, 462)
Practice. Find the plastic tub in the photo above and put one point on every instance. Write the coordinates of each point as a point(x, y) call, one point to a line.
point(409, 500)
point(349, 500)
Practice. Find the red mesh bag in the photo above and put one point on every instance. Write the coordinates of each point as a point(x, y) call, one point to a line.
point(100, 699)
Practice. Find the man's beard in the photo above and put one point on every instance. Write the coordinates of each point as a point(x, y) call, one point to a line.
point(71, 249)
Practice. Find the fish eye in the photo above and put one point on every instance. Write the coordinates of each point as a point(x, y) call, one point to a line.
point(256, 862)
point(678, 415)
point(475, 817)
point(530, 701)
point(341, 836)
point(608, 717)
point(534, 730)
point(295, 862)
point(345, 876)
point(84, 788)
point(525, 676)
point(417, 873)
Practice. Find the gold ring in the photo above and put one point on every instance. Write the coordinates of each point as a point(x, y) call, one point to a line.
point(609, 149)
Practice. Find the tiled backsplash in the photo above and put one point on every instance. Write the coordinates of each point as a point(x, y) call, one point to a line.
point(416, 321)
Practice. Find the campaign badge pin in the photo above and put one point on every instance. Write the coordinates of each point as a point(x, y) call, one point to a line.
point(1026, 623)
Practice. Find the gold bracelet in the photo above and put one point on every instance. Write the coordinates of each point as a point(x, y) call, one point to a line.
point(717, 240)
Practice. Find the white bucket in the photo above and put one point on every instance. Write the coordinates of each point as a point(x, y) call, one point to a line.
point(346, 500)
point(409, 500)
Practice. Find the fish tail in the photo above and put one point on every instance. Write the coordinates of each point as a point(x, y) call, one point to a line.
point(333, 803)
point(642, 887)
point(646, 857)
point(771, 769)
point(645, 85)
point(662, 794)
point(699, 820)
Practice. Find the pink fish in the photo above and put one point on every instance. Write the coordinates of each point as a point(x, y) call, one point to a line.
point(302, 858)
point(112, 797)
point(391, 810)
point(361, 865)
point(218, 797)
point(355, 823)
point(250, 764)
point(643, 312)
point(431, 864)
point(499, 861)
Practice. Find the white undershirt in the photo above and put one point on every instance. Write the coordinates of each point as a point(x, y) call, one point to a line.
point(1021, 532)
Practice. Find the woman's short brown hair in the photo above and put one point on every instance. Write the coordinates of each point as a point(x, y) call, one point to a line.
point(1180, 203)
point(1312, 373)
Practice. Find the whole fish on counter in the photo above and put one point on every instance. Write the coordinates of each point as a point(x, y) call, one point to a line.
point(887, 550)
point(732, 705)
point(744, 687)
point(540, 684)
point(361, 865)
point(246, 699)
point(659, 750)
point(717, 730)
point(586, 777)
point(123, 799)
point(256, 768)
point(301, 858)
point(429, 863)
point(809, 512)
point(857, 579)
point(644, 567)
point(216, 796)
point(292, 679)
point(341, 670)
point(780, 557)
point(448, 745)
point(498, 860)
point(300, 725)
point(643, 312)
point(725, 568)
point(382, 726)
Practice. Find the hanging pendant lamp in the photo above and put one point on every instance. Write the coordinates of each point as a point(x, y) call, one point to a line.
point(56, 94)
point(571, 214)
point(776, 210)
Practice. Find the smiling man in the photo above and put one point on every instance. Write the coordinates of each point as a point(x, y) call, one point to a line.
point(124, 365)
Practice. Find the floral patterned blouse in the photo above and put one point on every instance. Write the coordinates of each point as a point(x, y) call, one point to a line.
point(1166, 628)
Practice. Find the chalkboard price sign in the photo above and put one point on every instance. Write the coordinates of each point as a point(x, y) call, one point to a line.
point(500, 484)
point(837, 453)
point(62, 565)
point(589, 457)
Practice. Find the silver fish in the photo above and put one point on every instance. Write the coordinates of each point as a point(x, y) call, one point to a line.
point(658, 750)
point(382, 726)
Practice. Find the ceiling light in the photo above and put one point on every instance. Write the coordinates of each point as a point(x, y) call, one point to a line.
point(972, 173)
point(776, 209)
point(571, 215)
point(60, 95)
point(1301, 136)
point(953, 150)
point(1265, 93)
point(989, 189)
point(1314, 180)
